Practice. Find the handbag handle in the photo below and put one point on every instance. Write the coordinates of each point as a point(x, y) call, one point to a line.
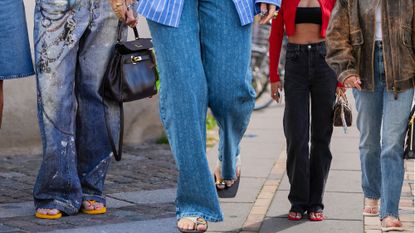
point(119, 31)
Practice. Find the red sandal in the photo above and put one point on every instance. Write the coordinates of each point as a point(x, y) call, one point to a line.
point(295, 216)
point(316, 216)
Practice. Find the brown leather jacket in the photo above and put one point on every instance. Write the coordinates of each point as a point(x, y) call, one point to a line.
point(350, 42)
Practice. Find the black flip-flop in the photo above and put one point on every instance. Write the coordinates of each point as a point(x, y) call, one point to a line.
point(228, 192)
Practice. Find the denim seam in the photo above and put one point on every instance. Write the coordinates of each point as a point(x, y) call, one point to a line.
point(395, 215)
point(373, 197)
point(60, 205)
point(92, 197)
point(26, 75)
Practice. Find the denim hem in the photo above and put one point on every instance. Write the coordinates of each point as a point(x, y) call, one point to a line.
point(206, 217)
point(88, 197)
point(234, 177)
point(67, 208)
point(372, 197)
point(395, 215)
point(17, 76)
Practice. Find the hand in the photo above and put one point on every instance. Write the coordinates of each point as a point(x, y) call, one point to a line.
point(276, 88)
point(353, 81)
point(123, 11)
point(268, 11)
point(341, 91)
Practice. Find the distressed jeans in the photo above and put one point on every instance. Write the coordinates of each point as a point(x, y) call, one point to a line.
point(205, 62)
point(73, 43)
point(382, 122)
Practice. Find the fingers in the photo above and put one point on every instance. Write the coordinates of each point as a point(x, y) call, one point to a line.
point(119, 8)
point(353, 82)
point(268, 11)
point(275, 94)
point(131, 20)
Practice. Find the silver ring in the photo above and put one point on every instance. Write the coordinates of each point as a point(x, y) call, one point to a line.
point(263, 13)
point(129, 6)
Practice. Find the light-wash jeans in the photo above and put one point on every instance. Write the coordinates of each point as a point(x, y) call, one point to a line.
point(205, 62)
point(73, 43)
point(382, 122)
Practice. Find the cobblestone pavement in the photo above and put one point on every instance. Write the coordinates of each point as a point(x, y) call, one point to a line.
point(144, 167)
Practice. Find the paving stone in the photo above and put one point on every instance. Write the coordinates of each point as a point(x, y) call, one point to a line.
point(165, 225)
point(235, 215)
point(147, 197)
point(344, 181)
point(248, 190)
point(7, 229)
point(282, 225)
point(16, 209)
point(144, 167)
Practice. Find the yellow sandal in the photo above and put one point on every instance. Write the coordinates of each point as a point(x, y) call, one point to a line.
point(102, 210)
point(48, 216)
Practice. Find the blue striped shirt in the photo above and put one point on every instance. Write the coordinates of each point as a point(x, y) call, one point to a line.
point(168, 12)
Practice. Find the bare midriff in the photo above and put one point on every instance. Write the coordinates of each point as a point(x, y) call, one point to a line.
point(306, 33)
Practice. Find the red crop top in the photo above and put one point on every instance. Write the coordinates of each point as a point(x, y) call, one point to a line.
point(286, 17)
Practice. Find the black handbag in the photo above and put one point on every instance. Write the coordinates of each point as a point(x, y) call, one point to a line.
point(342, 116)
point(131, 75)
point(409, 152)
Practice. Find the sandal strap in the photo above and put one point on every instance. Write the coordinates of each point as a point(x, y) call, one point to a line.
point(198, 221)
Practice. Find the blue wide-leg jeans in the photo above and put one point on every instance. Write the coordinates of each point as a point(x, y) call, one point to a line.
point(73, 43)
point(382, 121)
point(205, 62)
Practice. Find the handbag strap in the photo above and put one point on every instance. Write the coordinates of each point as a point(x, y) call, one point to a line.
point(120, 29)
point(117, 153)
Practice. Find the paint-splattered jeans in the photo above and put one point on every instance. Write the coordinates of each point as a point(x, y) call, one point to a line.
point(73, 43)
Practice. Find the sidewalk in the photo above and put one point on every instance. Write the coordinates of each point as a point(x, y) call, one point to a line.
point(141, 190)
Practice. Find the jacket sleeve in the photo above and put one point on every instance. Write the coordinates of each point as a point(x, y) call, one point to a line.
point(339, 48)
point(275, 43)
point(413, 28)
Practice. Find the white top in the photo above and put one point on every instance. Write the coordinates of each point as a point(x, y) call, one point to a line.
point(378, 27)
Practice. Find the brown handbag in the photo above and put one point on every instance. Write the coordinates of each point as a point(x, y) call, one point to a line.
point(131, 75)
point(342, 116)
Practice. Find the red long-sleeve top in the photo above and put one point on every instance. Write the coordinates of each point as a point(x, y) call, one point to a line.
point(286, 17)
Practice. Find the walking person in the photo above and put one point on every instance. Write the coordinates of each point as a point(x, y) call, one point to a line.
point(203, 54)
point(307, 78)
point(73, 42)
point(371, 48)
point(15, 57)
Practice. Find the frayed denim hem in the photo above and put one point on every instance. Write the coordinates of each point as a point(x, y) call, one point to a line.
point(100, 199)
point(67, 208)
point(395, 215)
point(17, 76)
point(206, 217)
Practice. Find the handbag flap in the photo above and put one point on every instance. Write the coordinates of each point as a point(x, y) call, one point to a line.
point(134, 46)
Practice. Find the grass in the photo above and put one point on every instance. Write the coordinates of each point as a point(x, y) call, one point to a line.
point(212, 136)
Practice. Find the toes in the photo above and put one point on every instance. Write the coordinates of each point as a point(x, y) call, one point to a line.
point(42, 211)
point(98, 206)
point(87, 205)
point(53, 211)
point(201, 228)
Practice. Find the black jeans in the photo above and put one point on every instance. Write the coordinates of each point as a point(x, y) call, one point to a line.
point(308, 77)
